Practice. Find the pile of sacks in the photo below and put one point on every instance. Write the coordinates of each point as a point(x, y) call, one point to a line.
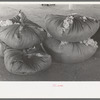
point(27, 49)
point(21, 45)
point(70, 37)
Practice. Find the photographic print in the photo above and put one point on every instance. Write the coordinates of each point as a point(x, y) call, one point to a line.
point(49, 50)
point(49, 41)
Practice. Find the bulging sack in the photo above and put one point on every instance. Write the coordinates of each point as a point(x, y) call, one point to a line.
point(21, 63)
point(19, 32)
point(66, 52)
point(71, 28)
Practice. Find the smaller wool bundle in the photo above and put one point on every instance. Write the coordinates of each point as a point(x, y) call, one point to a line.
point(20, 33)
point(21, 63)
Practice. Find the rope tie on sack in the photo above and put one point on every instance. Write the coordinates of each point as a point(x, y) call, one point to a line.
point(21, 20)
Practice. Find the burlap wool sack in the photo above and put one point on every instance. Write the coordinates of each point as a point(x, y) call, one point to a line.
point(64, 52)
point(23, 63)
point(19, 32)
point(71, 28)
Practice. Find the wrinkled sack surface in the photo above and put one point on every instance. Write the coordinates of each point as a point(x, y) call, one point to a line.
point(71, 28)
point(19, 62)
point(19, 32)
point(69, 52)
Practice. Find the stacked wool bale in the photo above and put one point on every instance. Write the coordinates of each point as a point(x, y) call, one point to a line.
point(21, 45)
point(70, 40)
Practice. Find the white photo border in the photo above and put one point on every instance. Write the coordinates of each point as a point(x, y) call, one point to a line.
point(50, 89)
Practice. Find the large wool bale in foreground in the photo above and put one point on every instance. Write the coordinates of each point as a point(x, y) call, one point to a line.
point(71, 28)
point(21, 63)
point(19, 32)
point(69, 52)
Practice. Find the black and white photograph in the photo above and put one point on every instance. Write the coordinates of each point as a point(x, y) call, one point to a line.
point(49, 50)
point(49, 42)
